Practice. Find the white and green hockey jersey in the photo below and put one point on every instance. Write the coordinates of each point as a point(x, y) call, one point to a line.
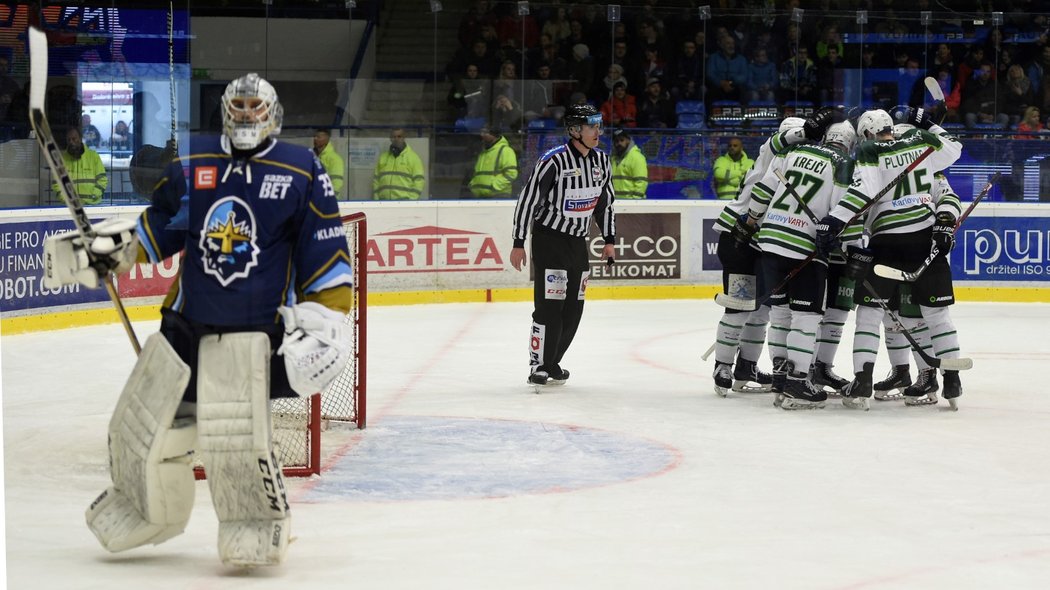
point(820, 175)
point(909, 206)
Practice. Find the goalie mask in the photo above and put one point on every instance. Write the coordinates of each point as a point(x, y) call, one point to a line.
point(250, 111)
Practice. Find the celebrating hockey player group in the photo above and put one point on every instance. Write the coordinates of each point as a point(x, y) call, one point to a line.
point(825, 221)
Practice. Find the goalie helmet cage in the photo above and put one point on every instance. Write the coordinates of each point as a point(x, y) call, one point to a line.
point(297, 422)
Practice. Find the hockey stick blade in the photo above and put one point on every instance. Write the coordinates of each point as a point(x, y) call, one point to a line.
point(736, 303)
point(46, 139)
point(710, 350)
point(934, 88)
point(938, 110)
point(888, 272)
point(959, 364)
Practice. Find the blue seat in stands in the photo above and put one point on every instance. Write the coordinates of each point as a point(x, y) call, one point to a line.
point(470, 123)
point(689, 106)
point(691, 121)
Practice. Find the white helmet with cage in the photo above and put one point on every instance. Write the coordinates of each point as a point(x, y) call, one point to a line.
point(874, 122)
point(250, 111)
point(841, 134)
point(791, 123)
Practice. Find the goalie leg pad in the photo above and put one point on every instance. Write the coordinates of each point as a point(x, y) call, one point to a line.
point(244, 475)
point(150, 453)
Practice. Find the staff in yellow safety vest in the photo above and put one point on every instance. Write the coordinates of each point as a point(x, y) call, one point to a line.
point(85, 169)
point(730, 168)
point(399, 171)
point(496, 168)
point(630, 173)
point(330, 159)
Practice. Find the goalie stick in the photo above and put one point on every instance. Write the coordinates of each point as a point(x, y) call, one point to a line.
point(44, 137)
point(959, 364)
point(900, 275)
point(748, 305)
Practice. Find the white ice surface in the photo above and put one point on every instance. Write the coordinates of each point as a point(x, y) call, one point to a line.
point(632, 475)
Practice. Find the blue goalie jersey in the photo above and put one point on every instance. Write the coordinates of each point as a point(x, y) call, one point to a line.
point(256, 233)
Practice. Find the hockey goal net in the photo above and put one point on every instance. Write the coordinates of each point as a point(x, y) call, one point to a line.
point(298, 422)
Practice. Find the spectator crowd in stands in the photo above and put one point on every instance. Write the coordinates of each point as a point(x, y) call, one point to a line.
point(511, 69)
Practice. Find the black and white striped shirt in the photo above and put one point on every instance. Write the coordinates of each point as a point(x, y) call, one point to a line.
point(564, 191)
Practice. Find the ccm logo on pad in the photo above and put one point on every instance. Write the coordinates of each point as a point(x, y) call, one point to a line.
point(205, 176)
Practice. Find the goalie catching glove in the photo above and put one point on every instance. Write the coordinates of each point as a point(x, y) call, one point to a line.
point(317, 344)
point(68, 261)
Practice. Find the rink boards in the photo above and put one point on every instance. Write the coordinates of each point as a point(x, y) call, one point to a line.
point(458, 251)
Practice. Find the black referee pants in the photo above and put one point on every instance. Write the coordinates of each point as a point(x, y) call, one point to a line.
point(561, 271)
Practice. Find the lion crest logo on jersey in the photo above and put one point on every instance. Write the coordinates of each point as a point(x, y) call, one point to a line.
point(228, 241)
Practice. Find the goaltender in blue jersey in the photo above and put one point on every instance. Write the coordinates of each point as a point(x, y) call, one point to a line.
point(265, 274)
point(256, 233)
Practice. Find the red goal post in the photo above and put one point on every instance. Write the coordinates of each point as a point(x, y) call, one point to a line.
point(297, 422)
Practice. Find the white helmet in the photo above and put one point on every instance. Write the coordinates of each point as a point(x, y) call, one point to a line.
point(874, 122)
point(791, 123)
point(901, 128)
point(250, 111)
point(841, 134)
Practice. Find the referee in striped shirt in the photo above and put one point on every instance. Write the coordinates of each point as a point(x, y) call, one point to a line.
point(570, 184)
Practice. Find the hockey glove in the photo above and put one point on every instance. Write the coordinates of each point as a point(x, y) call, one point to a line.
point(317, 344)
point(944, 232)
point(742, 230)
point(827, 239)
point(918, 117)
point(67, 261)
point(858, 262)
point(815, 126)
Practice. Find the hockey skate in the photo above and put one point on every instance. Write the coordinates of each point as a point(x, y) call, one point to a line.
point(892, 387)
point(540, 378)
point(779, 377)
point(723, 379)
point(800, 394)
point(924, 391)
point(748, 379)
point(823, 378)
point(856, 395)
point(558, 375)
point(952, 389)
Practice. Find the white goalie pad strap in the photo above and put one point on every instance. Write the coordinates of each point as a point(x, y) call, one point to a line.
point(233, 415)
point(150, 455)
